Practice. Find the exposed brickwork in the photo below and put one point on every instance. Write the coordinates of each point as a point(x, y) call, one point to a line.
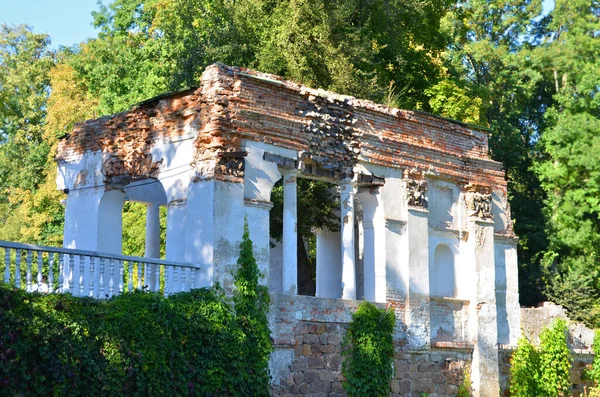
point(439, 371)
point(316, 367)
point(317, 363)
point(312, 329)
point(332, 132)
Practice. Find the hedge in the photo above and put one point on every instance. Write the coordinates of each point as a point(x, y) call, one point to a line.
point(135, 344)
point(198, 343)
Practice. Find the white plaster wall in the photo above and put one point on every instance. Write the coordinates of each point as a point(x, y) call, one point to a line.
point(81, 218)
point(507, 293)
point(86, 171)
point(110, 222)
point(329, 265)
point(500, 210)
point(443, 200)
point(394, 242)
point(176, 172)
point(441, 271)
point(276, 268)
point(257, 214)
point(260, 175)
point(229, 212)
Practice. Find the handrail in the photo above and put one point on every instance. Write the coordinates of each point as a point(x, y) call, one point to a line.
point(73, 251)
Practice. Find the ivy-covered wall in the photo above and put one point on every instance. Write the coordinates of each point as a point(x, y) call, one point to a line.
point(137, 344)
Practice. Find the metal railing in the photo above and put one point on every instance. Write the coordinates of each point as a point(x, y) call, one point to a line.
point(88, 273)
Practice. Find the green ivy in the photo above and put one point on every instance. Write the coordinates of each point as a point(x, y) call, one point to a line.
point(195, 343)
point(252, 306)
point(543, 371)
point(368, 352)
point(594, 373)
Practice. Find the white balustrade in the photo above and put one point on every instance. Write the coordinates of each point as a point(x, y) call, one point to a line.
point(88, 273)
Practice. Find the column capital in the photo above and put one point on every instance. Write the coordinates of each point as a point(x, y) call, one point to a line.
point(289, 175)
point(478, 200)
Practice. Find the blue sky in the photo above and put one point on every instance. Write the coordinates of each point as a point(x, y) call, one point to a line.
point(67, 21)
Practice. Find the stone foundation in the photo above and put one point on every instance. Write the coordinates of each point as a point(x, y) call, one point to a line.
point(316, 366)
point(307, 361)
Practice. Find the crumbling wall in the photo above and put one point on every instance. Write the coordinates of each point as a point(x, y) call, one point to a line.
point(331, 132)
point(308, 333)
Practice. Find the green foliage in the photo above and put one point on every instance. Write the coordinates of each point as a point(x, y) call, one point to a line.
point(134, 344)
point(543, 371)
point(139, 343)
point(251, 307)
point(464, 389)
point(524, 368)
point(368, 352)
point(555, 360)
point(594, 372)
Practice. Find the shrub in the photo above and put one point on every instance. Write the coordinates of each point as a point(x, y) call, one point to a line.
point(555, 361)
point(368, 352)
point(139, 343)
point(543, 371)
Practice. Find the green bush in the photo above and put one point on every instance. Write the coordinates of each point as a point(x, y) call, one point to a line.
point(368, 352)
point(543, 371)
point(137, 344)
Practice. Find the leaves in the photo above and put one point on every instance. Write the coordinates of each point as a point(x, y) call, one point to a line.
point(368, 352)
point(543, 371)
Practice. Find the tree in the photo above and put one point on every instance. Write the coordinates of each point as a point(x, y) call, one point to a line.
point(25, 61)
point(568, 170)
point(493, 79)
point(25, 64)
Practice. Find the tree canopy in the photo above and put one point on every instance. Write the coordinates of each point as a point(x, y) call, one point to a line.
point(503, 64)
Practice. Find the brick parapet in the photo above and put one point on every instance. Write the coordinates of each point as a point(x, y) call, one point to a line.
point(236, 103)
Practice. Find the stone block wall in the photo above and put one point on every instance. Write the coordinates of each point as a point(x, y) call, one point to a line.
point(316, 369)
point(308, 333)
point(437, 372)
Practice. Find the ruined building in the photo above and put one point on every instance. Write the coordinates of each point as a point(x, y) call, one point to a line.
point(425, 226)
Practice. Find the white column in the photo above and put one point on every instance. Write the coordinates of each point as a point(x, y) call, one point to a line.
point(347, 234)
point(374, 251)
point(152, 249)
point(329, 268)
point(484, 369)
point(110, 222)
point(290, 239)
point(152, 231)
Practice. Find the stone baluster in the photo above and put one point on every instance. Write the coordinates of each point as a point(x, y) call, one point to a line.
point(121, 275)
point(101, 279)
point(40, 263)
point(157, 278)
point(61, 271)
point(91, 291)
point(111, 281)
point(6, 265)
point(50, 272)
point(130, 283)
point(28, 274)
point(70, 281)
point(18, 269)
point(139, 274)
point(81, 274)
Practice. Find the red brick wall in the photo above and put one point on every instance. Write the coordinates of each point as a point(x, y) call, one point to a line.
point(335, 132)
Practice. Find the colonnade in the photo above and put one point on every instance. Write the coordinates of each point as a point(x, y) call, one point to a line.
point(336, 253)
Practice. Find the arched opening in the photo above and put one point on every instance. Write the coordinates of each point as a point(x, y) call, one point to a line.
point(441, 275)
